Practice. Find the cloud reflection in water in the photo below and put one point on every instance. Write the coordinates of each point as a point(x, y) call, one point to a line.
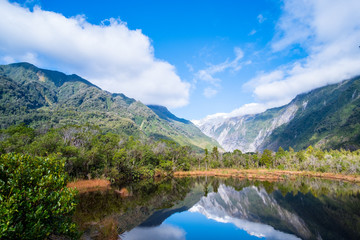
point(162, 232)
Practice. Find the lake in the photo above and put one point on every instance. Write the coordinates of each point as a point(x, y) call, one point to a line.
point(222, 208)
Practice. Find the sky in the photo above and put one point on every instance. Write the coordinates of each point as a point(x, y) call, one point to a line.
point(198, 58)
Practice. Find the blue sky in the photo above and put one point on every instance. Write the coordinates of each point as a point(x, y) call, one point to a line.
point(196, 57)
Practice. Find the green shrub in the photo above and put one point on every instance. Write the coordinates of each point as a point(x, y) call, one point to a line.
point(35, 201)
point(301, 156)
point(186, 167)
point(281, 167)
point(166, 165)
point(320, 155)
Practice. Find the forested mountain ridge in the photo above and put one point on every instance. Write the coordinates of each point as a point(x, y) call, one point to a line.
point(327, 117)
point(46, 99)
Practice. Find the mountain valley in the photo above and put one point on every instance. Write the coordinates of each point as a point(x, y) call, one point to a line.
point(327, 117)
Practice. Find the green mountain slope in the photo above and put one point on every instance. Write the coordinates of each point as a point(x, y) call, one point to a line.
point(45, 99)
point(327, 117)
point(185, 127)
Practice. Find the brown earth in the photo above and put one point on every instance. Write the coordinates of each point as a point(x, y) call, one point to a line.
point(267, 175)
point(90, 185)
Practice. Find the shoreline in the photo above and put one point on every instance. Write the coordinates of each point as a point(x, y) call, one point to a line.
point(267, 174)
point(271, 175)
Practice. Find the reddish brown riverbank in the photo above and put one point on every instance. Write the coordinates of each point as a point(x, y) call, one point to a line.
point(267, 175)
point(90, 185)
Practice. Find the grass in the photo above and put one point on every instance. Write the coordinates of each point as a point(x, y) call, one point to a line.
point(89, 185)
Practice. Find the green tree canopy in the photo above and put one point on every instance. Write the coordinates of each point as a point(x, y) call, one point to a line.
point(266, 158)
point(35, 201)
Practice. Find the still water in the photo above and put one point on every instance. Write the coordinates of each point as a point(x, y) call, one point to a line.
point(215, 208)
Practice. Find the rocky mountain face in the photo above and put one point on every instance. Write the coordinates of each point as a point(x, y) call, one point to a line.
point(45, 99)
point(327, 117)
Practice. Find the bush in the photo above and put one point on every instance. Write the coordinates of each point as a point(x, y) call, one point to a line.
point(301, 156)
point(35, 201)
point(166, 165)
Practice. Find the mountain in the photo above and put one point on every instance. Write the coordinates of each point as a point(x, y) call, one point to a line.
point(327, 117)
point(184, 127)
point(45, 99)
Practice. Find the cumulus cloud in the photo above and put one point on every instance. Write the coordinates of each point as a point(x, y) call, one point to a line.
point(250, 108)
point(328, 31)
point(110, 54)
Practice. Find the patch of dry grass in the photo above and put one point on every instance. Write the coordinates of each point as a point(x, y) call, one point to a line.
point(90, 185)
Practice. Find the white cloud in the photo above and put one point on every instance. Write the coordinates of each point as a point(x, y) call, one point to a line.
point(252, 32)
point(110, 55)
point(235, 64)
point(249, 108)
point(162, 232)
point(209, 92)
point(265, 78)
point(207, 74)
point(329, 32)
point(261, 18)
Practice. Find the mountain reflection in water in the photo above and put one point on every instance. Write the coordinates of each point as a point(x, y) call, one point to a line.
point(213, 208)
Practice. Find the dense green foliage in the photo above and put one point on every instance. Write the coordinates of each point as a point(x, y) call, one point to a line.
point(311, 159)
point(91, 153)
point(34, 199)
point(45, 99)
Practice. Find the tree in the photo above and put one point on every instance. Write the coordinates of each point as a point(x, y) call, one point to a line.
point(206, 158)
point(310, 149)
point(266, 158)
point(280, 152)
point(301, 155)
point(291, 150)
point(15, 138)
point(215, 158)
point(35, 201)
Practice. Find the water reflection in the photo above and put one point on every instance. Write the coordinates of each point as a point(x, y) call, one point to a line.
point(162, 232)
point(213, 208)
point(247, 209)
